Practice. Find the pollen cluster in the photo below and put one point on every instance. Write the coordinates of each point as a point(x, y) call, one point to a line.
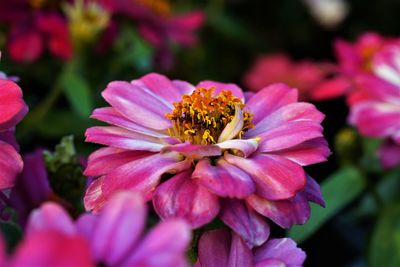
point(201, 116)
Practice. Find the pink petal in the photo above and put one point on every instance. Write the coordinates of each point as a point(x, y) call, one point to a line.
point(111, 116)
point(389, 154)
point(12, 106)
point(220, 248)
point(10, 165)
point(94, 198)
point(289, 135)
point(300, 111)
point(161, 86)
point(52, 249)
point(118, 228)
point(121, 138)
point(85, 225)
point(249, 225)
point(234, 127)
point(236, 91)
point(143, 175)
point(182, 197)
point(276, 178)
point(332, 88)
point(284, 249)
point(138, 105)
point(50, 216)
point(224, 179)
point(376, 119)
point(106, 159)
point(245, 146)
point(184, 88)
point(285, 213)
point(164, 246)
point(369, 83)
point(309, 152)
point(270, 99)
point(193, 151)
point(24, 46)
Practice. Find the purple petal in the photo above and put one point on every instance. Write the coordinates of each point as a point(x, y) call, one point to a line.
point(246, 147)
point(50, 216)
point(312, 192)
point(106, 159)
point(161, 86)
point(111, 116)
point(270, 99)
point(252, 227)
point(236, 91)
point(164, 246)
point(118, 228)
point(389, 154)
point(292, 112)
point(309, 152)
point(193, 151)
point(289, 135)
point(143, 175)
point(221, 248)
point(276, 178)
point(121, 138)
point(284, 249)
point(85, 225)
point(138, 105)
point(10, 165)
point(182, 197)
point(224, 179)
point(285, 213)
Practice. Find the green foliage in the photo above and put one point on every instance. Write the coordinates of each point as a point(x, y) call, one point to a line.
point(11, 233)
point(338, 190)
point(385, 245)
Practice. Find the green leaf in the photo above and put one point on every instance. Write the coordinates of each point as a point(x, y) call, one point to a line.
point(77, 92)
point(385, 243)
point(64, 154)
point(11, 233)
point(338, 190)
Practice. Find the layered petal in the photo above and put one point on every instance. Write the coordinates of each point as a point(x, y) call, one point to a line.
point(10, 165)
point(224, 179)
point(249, 225)
point(245, 147)
point(194, 151)
point(275, 177)
point(182, 197)
point(218, 86)
point(12, 106)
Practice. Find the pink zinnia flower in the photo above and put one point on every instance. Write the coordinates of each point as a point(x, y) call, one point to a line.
point(199, 151)
point(355, 59)
point(307, 76)
point(114, 237)
point(377, 112)
point(222, 248)
point(34, 27)
point(13, 109)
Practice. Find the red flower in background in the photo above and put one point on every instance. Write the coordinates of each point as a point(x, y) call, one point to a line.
point(35, 26)
point(307, 76)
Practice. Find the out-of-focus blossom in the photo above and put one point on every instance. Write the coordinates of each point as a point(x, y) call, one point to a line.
point(35, 26)
point(199, 151)
point(222, 248)
point(389, 154)
point(13, 109)
point(85, 20)
point(355, 59)
point(376, 113)
point(307, 76)
point(156, 23)
point(114, 237)
point(329, 13)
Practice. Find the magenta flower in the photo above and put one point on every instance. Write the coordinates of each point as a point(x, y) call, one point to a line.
point(222, 248)
point(114, 237)
point(377, 112)
point(355, 59)
point(34, 27)
point(307, 76)
point(197, 152)
point(13, 109)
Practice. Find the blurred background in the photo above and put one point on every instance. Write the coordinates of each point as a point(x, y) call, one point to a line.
point(62, 77)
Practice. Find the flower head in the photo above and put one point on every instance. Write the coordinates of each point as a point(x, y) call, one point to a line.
point(199, 151)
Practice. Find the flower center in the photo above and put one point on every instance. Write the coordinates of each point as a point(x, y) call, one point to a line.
point(202, 116)
point(41, 4)
point(160, 7)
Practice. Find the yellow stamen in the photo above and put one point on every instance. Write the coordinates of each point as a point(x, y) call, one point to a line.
point(201, 117)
